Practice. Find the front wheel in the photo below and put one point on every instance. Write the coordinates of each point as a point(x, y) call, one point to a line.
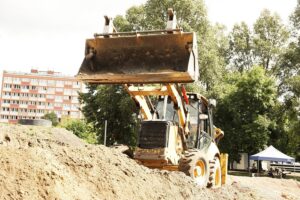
point(214, 180)
point(195, 165)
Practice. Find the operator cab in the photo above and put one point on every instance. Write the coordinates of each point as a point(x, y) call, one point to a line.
point(200, 118)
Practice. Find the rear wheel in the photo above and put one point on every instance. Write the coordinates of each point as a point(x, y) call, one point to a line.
point(214, 173)
point(195, 165)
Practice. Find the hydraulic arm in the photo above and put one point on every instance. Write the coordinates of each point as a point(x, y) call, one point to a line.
point(140, 95)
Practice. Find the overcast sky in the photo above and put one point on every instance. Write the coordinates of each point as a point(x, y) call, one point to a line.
point(50, 34)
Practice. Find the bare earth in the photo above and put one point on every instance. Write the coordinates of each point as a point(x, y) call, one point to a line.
point(52, 163)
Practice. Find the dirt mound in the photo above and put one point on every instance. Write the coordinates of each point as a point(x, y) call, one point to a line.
point(52, 163)
point(272, 188)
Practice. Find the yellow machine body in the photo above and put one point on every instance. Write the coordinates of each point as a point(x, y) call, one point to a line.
point(177, 133)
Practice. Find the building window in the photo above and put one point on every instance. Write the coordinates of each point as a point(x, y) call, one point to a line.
point(8, 79)
point(51, 90)
point(34, 81)
point(59, 83)
point(25, 79)
point(57, 104)
point(75, 92)
point(7, 86)
point(67, 106)
point(17, 87)
point(16, 80)
point(59, 89)
point(68, 92)
point(51, 83)
point(43, 82)
point(25, 87)
point(68, 83)
point(50, 96)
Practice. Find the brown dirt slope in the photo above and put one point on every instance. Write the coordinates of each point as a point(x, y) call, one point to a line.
point(271, 188)
point(52, 163)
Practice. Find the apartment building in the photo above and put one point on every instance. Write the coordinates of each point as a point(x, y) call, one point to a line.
point(32, 95)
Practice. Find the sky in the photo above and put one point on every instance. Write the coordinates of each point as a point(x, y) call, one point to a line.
point(229, 12)
point(50, 34)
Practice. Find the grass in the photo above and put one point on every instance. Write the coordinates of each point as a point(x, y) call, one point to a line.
point(293, 176)
point(238, 173)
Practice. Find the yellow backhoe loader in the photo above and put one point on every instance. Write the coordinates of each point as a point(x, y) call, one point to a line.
point(178, 132)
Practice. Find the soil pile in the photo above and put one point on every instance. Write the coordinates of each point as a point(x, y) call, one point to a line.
point(52, 163)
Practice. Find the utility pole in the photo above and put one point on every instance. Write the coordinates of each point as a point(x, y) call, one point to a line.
point(105, 131)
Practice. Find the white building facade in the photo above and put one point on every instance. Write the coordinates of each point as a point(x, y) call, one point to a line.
point(32, 95)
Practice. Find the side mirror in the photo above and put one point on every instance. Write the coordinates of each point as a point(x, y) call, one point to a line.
point(212, 103)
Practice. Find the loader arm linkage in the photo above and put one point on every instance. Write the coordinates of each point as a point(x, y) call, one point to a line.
point(140, 94)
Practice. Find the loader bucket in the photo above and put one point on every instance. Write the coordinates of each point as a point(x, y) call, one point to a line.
point(148, 58)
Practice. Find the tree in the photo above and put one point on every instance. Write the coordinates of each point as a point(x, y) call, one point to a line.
point(191, 16)
point(121, 24)
point(243, 112)
point(113, 104)
point(80, 128)
point(285, 132)
point(288, 67)
point(136, 17)
point(134, 20)
point(52, 117)
point(241, 47)
point(270, 37)
point(212, 49)
point(295, 18)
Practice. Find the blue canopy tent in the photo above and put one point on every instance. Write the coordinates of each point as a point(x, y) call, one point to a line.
point(271, 154)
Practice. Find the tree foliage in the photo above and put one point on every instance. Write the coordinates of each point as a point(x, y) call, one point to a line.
point(113, 104)
point(80, 128)
point(270, 37)
point(191, 16)
point(287, 134)
point(241, 47)
point(52, 117)
point(243, 112)
point(267, 45)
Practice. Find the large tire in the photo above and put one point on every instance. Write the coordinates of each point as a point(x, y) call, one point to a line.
point(195, 165)
point(214, 180)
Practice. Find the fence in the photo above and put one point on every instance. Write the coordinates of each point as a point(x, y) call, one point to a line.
point(288, 167)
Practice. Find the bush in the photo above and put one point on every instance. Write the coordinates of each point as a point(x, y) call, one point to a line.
point(52, 117)
point(80, 128)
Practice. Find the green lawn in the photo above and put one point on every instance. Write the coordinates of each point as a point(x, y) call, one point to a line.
point(295, 176)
